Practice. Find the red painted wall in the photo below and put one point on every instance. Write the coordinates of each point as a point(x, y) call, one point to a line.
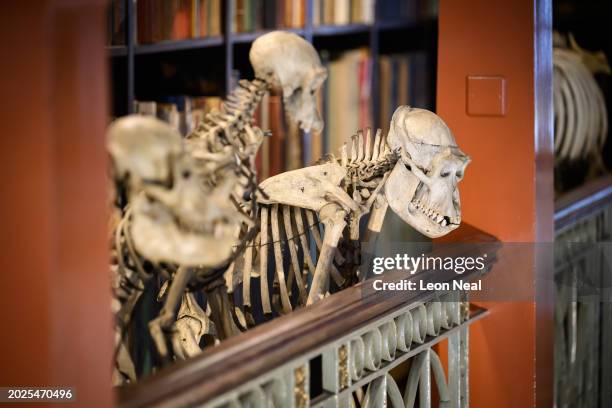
point(499, 193)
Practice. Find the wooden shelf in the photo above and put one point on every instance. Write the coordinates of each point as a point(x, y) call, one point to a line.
point(396, 24)
point(170, 46)
point(332, 30)
point(245, 38)
point(116, 50)
point(338, 37)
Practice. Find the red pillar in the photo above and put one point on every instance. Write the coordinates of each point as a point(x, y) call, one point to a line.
point(54, 284)
point(507, 191)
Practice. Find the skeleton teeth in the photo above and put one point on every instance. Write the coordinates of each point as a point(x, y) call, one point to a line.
point(439, 218)
point(443, 223)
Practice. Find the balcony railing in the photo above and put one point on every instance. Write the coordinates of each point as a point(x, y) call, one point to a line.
point(583, 312)
point(356, 345)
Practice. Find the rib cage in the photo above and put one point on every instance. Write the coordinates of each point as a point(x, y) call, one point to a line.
point(273, 274)
point(279, 261)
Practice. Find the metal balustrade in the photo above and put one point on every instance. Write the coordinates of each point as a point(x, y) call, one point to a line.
point(357, 366)
point(358, 347)
point(583, 305)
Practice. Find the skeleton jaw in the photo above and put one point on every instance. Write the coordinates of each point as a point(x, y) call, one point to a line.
point(440, 224)
point(401, 193)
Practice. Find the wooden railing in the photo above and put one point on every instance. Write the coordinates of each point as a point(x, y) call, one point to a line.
point(342, 348)
point(583, 312)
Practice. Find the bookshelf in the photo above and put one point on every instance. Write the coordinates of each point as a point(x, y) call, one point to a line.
point(133, 65)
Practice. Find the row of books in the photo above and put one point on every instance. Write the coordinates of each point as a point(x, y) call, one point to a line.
point(184, 113)
point(282, 151)
point(345, 101)
point(257, 15)
point(340, 12)
point(403, 79)
point(117, 21)
point(163, 20)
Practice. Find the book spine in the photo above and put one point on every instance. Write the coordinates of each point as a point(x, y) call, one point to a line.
point(316, 13)
point(238, 25)
point(277, 163)
point(269, 12)
point(194, 19)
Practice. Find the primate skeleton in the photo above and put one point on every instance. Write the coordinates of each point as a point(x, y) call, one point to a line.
point(195, 220)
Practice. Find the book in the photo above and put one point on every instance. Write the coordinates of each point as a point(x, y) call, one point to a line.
point(348, 101)
point(341, 12)
point(256, 15)
point(277, 140)
point(175, 20)
point(182, 112)
point(117, 18)
point(214, 18)
point(404, 79)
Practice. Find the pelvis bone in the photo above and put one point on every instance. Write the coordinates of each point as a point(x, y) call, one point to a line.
point(422, 188)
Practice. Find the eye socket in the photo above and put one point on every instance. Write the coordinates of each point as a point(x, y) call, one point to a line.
point(312, 91)
point(444, 173)
point(459, 175)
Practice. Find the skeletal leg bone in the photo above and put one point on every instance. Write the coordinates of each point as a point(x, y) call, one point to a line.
point(375, 223)
point(314, 228)
point(166, 316)
point(333, 217)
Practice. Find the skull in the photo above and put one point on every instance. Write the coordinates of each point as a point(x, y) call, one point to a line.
point(180, 210)
point(291, 64)
point(422, 188)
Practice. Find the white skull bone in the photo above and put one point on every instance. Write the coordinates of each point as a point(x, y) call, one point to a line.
point(422, 188)
point(179, 215)
point(291, 64)
point(142, 148)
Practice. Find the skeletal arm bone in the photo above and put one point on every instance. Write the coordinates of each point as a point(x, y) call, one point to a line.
point(166, 316)
point(375, 223)
point(334, 219)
